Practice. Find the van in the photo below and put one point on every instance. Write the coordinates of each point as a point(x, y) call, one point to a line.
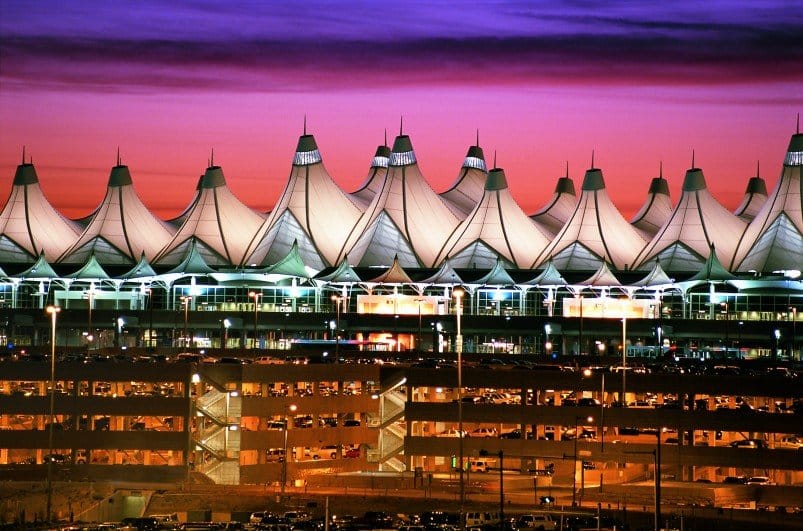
point(480, 518)
point(478, 465)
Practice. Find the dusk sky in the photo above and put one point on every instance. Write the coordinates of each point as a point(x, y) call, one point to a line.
point(544, 82)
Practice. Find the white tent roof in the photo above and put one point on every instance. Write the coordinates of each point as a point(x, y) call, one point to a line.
point(656, 209)
point(122, 227)
point(406, 217)
point(495, 229)
point(697, 222)
point(312, 210)
point(469, 186)
point(754, 198)
point(373, 182)
point(220, 225)
point(596, 232)
point(29, 225)
point(774, 239)
point(560, 207)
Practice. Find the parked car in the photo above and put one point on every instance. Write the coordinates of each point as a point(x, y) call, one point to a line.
point(789, 442)
point(452, 432)
point(484, 432)
point(760, 480)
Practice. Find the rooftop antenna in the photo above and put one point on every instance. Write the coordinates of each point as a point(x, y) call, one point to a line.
point(567, 169)
point(305, 125)
point(797, 130)
point(118, 155)
point(212, 158)
point(23, 154)
point(495, 159)
point(661, 169)
point(478, 137)
point(401, 125)
point(386, 136)
point(692, 159)
point(592, 159)
point(758, 168)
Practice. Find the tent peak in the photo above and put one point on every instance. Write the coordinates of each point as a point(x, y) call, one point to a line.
point(694, 180)
point(25, 174)
point(496, 180)
point(593, 179)
point(212, 178)
point(756, 185)
point(659, 185)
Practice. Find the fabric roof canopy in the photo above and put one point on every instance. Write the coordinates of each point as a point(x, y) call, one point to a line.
point(406, 218)
point(468, 188)
point(496, 228)
point(774, 239)
point(376, 174)
point(656, 209)
point(560, 207)
point(595, 233)
point(218, 222)
point(312, 211)
point(697, 222)
point(122, 227)
point(754, 198)
point(29, 225)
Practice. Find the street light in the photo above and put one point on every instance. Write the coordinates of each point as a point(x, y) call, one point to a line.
point(186, 301)
point(53, 311)
point(588, 373)
point(577, 420)
point(624, 359)
point(291, 408)
point(418, 338)
point(254, 295)
point(777, 334)
point(458, 294)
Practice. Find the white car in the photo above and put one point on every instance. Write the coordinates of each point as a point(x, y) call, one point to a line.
point(789, 442)
point(452, 432)
point(760, 480)
point(484, 432)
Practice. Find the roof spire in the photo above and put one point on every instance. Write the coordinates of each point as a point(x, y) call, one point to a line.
point(797, 130)
point(592, 159)
point(661, 169)
point(386, 136)
point(478, 137)
point(692, 159)
point(758, 168)
point(212, 158)
point(305, 125)
point(118, 155)
point(494, 159)
point(401, 125)
point(23, 153)
point(567, 169)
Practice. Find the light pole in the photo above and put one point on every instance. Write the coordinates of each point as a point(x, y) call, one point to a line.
point(458, 294)
point(53, 311)
point(724, 306)
point(291, 408)
point(588, 373)
point(150, 301)
point(186, 301)
point(254, 295)
point(624, 359)
point(89, 335)
point(793, 313)
point(658, 481)
point(418, 338)
point(574, 471)
point(336, 301)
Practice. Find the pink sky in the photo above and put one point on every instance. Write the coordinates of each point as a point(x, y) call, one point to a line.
point(166, 139)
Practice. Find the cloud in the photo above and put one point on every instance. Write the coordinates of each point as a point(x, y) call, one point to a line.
point(665, 53)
